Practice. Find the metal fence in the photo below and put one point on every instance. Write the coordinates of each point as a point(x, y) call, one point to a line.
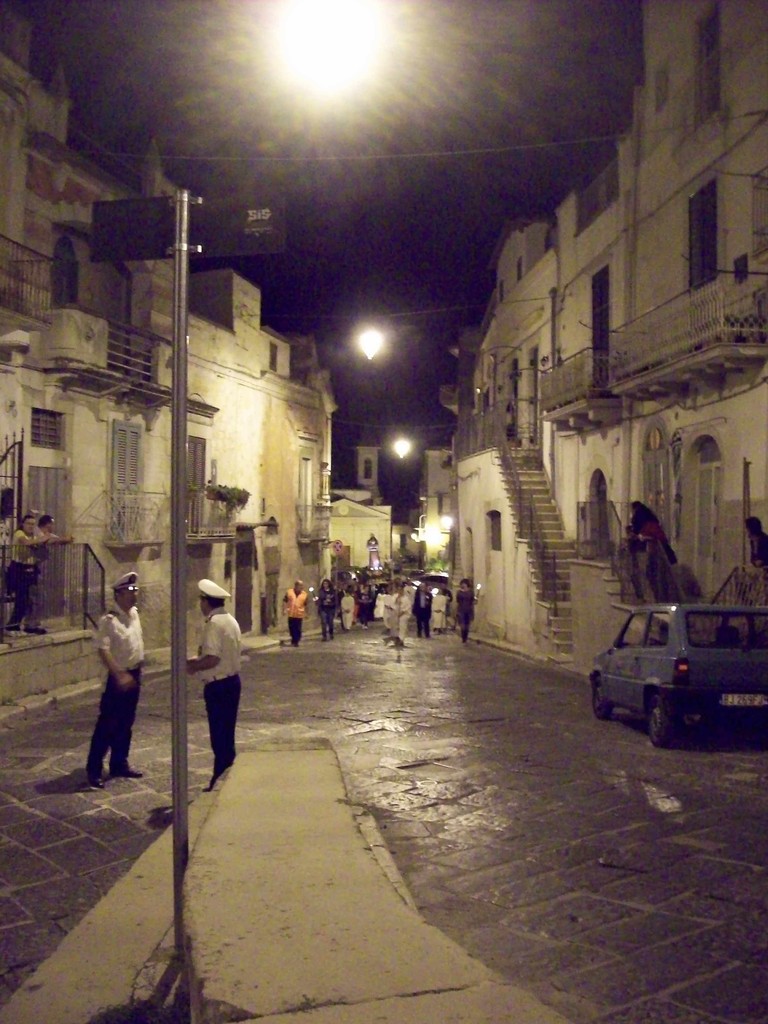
point(67, 590)
point(25, 280)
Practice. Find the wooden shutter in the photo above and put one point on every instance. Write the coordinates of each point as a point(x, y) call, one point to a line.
point(126, 455)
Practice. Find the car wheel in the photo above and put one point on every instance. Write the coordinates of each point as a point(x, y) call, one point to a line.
point(661, 723)
point(601, 707)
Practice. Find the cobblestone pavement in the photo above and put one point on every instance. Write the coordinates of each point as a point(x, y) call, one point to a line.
point(618, 882)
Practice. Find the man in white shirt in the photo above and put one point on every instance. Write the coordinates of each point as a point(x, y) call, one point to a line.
point(218, 664)
point(120, 644)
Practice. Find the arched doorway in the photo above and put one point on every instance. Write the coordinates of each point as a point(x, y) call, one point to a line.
point(597, 534)
point(656, 474)
point(707, 467)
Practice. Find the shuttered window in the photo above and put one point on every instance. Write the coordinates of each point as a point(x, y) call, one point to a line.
point(126, 456)
point(196, 462)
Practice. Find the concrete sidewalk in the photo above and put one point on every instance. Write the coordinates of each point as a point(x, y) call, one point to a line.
point(291, 914)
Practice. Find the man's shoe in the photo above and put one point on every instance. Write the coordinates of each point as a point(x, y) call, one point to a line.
point(126, 773)
point(38, 630)
point(94, 782)
point(12, 629)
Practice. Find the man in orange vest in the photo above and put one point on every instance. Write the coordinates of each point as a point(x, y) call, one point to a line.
point(294, 604)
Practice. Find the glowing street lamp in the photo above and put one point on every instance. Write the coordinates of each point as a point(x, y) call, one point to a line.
point(370, 342)
point(332, 44)
point(446, 522)
point(402, 447)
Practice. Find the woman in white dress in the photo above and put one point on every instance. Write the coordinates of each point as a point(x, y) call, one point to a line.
point(439, 605)
point(402, 607)
point(347, 609)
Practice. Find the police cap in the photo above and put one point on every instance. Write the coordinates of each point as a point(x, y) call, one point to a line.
point(208, 588)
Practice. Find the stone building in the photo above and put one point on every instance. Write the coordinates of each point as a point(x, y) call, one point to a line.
point(85, 385)
point(623, 353)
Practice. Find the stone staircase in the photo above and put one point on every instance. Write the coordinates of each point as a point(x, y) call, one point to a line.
point(549, 550)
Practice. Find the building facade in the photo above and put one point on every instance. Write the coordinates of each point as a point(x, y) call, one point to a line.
point(85, 385)
point(623, 353)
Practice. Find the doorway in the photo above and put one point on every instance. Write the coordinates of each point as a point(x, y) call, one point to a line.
point(708, 465)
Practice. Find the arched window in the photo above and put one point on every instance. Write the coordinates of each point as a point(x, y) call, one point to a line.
point(494, 530)
point(656, 473)
point(64, 273)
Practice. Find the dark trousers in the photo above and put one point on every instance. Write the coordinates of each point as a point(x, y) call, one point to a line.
point(327, 615)
point(114, 726)
point(463, 621)
point(222, 699)
point(21, 580)
point(294, 628)
point(422, 625)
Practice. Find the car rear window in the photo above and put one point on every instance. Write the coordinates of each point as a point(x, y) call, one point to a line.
point(727, 630)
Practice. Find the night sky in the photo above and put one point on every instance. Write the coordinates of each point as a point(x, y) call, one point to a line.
point(480, 112)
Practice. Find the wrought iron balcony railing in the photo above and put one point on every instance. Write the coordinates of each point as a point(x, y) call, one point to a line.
point(578, 377)
point(208, 519)
point(718, 314)
point(25, 280)
point(134, 517)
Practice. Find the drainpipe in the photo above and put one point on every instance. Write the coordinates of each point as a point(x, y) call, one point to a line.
point(553, 364)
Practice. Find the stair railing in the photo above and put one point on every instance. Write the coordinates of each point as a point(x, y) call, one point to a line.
point(745, 585)
point(529, 524)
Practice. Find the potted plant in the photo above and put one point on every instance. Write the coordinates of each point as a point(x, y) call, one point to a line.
point(231, 497)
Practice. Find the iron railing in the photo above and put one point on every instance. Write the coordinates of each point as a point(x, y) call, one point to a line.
point(25, 280)
point(68, 589)
point(11, 485)
point(209, 519)
point(745, 584)
point(133, 516)
point(577, 377)
point(553, 577)
point(130, 352)
point(715, 314)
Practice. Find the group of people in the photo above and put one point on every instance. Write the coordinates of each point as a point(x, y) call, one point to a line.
point(120, 645)
point(30, 546)
point(394, 603)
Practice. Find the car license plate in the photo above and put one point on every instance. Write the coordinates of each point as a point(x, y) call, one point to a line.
point(744, 700)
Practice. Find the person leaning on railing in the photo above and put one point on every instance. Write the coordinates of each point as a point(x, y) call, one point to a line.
point(22, 574)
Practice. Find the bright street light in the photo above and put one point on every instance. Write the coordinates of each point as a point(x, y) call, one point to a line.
point(330, 44)
point(446, 522)
point(402, 447)
point(370, 342)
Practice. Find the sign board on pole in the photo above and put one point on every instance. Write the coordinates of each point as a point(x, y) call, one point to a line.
point(337, 547)
point(143, 229)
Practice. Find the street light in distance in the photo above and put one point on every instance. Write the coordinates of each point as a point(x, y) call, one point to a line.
point(402, 447)
point(370, 342)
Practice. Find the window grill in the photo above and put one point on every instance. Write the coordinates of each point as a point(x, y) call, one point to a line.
point(47, 429)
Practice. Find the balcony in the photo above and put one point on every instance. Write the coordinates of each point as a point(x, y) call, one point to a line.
point(25, 289)
point(209, 520)
point(449, 397)
point(91, 354)
point(576, 394)
point(313, 523)
point(134, 518)
point(699, 339)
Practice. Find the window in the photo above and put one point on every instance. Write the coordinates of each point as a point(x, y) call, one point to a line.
point(196, 462)
point(601, 309)
point(126, 454)
point(658, 630)
point(702, 229)
point(64, 273)
point(634, 632)
point(494, 530)
point(760, 212)
point(47, 429)
point(273, 356)
point(367, 469)
point(519, 268)
point(708, 67)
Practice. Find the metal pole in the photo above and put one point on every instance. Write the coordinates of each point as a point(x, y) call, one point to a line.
point(178, 562)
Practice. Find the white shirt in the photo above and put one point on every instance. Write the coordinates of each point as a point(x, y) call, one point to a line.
point(120, 633)
point(221, 637)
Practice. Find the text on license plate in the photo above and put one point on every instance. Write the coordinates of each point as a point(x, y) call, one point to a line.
point(744, 700)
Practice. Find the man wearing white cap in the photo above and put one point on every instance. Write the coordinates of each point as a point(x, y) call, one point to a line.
point(218, 663)
point(120, 644)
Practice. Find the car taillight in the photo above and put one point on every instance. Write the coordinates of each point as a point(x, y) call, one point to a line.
point(681, 671)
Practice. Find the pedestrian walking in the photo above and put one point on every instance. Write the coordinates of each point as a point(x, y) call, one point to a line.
point(365, 600)
point(295, 607)
point(465, 608)
point(422, 609)
point(218, 665)
point(327, 607)
point(400, 614)
point(439, 605)
point(120, 644)
point(347, 609)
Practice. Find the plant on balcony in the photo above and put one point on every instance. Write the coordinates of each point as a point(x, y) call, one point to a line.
point(231, 497)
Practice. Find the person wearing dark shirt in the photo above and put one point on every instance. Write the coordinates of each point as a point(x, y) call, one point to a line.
point(758, 542)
